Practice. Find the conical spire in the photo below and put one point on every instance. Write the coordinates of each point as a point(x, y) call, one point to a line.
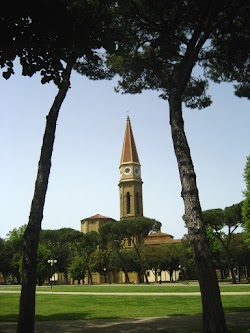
point(130, 177)
point(129, 152)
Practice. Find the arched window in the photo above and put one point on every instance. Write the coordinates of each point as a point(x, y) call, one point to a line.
point(137, 203)
point(128, 202)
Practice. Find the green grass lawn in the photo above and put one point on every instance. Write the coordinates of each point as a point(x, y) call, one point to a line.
point(80, 306)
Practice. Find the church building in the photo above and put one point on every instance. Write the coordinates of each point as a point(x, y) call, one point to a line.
point(130, 185)
point(130, 191)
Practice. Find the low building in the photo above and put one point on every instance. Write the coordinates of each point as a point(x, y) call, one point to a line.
point(159, 237)
point(94, 222)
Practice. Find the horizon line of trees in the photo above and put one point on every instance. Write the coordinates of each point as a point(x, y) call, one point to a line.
point(79, 255)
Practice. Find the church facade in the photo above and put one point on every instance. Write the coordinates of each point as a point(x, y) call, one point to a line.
point(131, 203)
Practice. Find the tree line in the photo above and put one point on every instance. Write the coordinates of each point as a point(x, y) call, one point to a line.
point(79, 255)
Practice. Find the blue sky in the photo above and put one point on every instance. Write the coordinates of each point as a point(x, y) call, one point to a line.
point(85, 164)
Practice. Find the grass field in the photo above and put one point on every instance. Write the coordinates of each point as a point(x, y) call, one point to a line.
point(75, 306)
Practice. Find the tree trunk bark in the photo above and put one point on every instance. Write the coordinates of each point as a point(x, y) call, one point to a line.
point(229, 256)
point(230, 265)
point(122, 263)
point(90, 279)
point(26, 319)
point(156, 276)
point(144, 273)
point(213, 314)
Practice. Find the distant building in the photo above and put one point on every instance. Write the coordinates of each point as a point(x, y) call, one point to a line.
point(93, 223)
point(159, 237)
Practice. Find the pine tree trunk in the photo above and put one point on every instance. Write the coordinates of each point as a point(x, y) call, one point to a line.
point(122, 263)
point(229, 257)
point(156, 277)
point(213, 314)
point(143, 270)
point(89, 275)
point(26, 319)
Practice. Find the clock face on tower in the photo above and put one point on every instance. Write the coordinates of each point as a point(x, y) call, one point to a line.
point(137, 171)
point(127, 171)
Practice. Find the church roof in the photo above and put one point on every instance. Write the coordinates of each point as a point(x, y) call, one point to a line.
point(129, 152)
point(159, 234)
point(98, 216)
point(159, 237)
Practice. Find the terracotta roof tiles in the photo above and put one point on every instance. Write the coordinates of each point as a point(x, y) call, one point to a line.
point(159, 234)
point(98, 216)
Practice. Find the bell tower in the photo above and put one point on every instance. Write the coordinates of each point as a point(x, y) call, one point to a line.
point(130, 183)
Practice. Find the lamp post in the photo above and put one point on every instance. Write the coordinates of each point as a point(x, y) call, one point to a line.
point(51, 262)
point(104, 272)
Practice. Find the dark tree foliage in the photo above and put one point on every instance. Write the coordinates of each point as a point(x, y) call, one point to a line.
point(77, 269)
point(241, 254)
point(111, 233)
point(229, 58)
point(87, 245)
point(164, 257)
point(99, 262)
point(135, 229)
point(62, 244)
point(14, 243)
point(43, 268)
point(5, 260)
point(45, 35)
point(224, 222)
point(66, 244)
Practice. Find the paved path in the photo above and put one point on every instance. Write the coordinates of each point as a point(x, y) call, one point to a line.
point(123, 293)
point(168, 324)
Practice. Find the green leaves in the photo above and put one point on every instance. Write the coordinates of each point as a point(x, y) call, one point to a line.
point(195, 94)
point(51, 32)
point(77, 268)
point(228, 59)
point(220, 218)
point(214, 218)
point(242, 90)
point(138, 226)
point(8, 73)
point(9, 67)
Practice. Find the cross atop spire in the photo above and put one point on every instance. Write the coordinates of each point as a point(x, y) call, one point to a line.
point(129, 152)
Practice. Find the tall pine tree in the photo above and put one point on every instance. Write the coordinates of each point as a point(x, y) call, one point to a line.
point(246, 202)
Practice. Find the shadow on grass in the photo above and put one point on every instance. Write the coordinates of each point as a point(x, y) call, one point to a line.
point(8, 317)
point(238, 322)
point(64, 316)
point(51, 324)
point(235, 309)
point(52, 317)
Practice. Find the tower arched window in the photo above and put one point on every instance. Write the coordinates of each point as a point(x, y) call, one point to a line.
point(128, 202)
point(137, 203)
